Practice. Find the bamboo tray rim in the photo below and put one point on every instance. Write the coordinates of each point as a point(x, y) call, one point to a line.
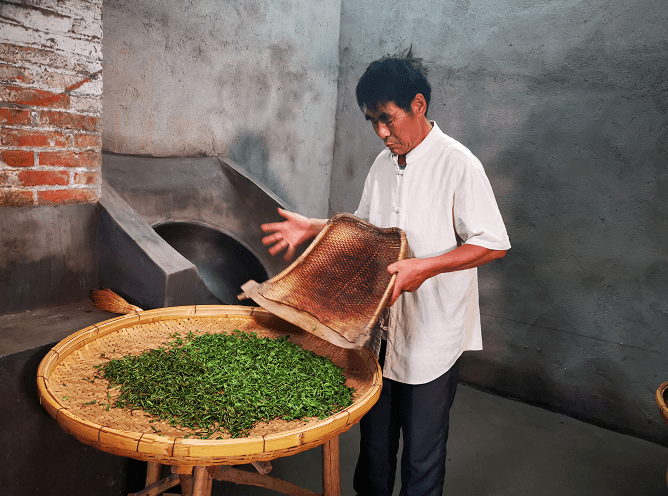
point(181, 450)
point(661, 393)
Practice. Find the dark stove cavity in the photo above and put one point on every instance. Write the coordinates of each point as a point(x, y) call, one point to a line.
point(223, 262)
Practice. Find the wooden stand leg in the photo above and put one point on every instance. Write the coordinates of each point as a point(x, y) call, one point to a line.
point(152, 473)
point(187, 484)
point(197, 484)
point(331, 473)
point(185, 473)
point(202, 482)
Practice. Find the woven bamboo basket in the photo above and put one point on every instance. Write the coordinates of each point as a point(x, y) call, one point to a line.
point(337, 288)
point(662, 403)
point(66, 390)
point(661, 399)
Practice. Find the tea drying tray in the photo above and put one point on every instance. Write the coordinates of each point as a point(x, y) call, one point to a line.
point(80, 402)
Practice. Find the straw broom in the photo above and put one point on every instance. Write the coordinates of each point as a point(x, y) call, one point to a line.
point(108, 301)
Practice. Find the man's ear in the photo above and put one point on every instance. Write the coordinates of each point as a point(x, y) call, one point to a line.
point(419, 105)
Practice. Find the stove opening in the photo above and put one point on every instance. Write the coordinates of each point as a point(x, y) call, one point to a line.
point(223, 263)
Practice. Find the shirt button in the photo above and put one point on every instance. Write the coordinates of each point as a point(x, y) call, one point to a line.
point(396, 209)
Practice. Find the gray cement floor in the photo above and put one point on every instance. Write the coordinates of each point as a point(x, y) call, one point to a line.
point(500, 447)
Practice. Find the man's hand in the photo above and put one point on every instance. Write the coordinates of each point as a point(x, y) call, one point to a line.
point(412, 272)
point(410, 276)
point(290, 233)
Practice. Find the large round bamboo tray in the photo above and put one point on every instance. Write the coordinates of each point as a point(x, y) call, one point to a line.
point(65, 383)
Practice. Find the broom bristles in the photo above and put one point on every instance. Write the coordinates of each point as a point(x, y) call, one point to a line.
point(108, 301)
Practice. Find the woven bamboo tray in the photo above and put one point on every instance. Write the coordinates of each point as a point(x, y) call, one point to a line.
point(64, 385)
point(661, 399)
point(337, 288)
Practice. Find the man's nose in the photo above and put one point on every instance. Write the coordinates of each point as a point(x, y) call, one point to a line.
point(382, 131)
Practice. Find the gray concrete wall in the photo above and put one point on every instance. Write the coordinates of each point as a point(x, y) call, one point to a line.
point(255, 80)
point(48, 255)
point(565, 104)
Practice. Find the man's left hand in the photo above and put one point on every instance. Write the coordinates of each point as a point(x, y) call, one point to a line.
point(412, 272)
point(410, 276)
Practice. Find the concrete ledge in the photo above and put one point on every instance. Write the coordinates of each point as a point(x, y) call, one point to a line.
point(31, 438)
point(30, 329)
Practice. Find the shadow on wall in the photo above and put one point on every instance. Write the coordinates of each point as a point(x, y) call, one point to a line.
point(580, 323)
point(252, 153)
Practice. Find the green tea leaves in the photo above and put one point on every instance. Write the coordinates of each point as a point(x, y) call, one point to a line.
point(228, 381)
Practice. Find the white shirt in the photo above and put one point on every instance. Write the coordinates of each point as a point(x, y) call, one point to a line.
point(440, 200)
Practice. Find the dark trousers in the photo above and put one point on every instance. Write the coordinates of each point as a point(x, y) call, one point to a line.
point(422, 413)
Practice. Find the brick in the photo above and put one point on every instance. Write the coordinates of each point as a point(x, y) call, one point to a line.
point(34, 97)
point(88, 159)
point(16, 198)
point(32, 19)
point(15, 117)
point(87, 27)
point(87, 141)
point(64, 196)
point(86, 178)
point(74, 46)
point(86, 104)
point(48, 79)
point(36, 56)
point(8, 179)
point(24, 137)
point(13, 74)
point(68, 120)
point(44, 178)
point(52, 80)
point(17, 158)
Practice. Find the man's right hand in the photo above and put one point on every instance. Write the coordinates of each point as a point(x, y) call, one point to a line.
point(291, 233)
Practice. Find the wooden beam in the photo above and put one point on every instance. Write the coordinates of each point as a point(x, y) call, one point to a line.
point(159, 487)
point(262, 467)
point(238, 476)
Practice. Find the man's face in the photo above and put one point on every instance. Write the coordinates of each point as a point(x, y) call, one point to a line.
point(399, 130)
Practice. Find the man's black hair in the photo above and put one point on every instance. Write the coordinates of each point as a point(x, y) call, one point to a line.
point(394, 78)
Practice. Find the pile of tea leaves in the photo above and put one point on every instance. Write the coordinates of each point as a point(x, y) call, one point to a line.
point(217, 382)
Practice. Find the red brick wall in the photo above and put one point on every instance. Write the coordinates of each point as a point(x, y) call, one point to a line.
point(50, 102)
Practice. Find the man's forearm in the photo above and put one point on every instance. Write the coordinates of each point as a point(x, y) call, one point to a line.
point(464, 257)
point(412, 272)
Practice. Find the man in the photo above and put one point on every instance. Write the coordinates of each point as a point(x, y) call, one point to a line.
point(436, 190)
